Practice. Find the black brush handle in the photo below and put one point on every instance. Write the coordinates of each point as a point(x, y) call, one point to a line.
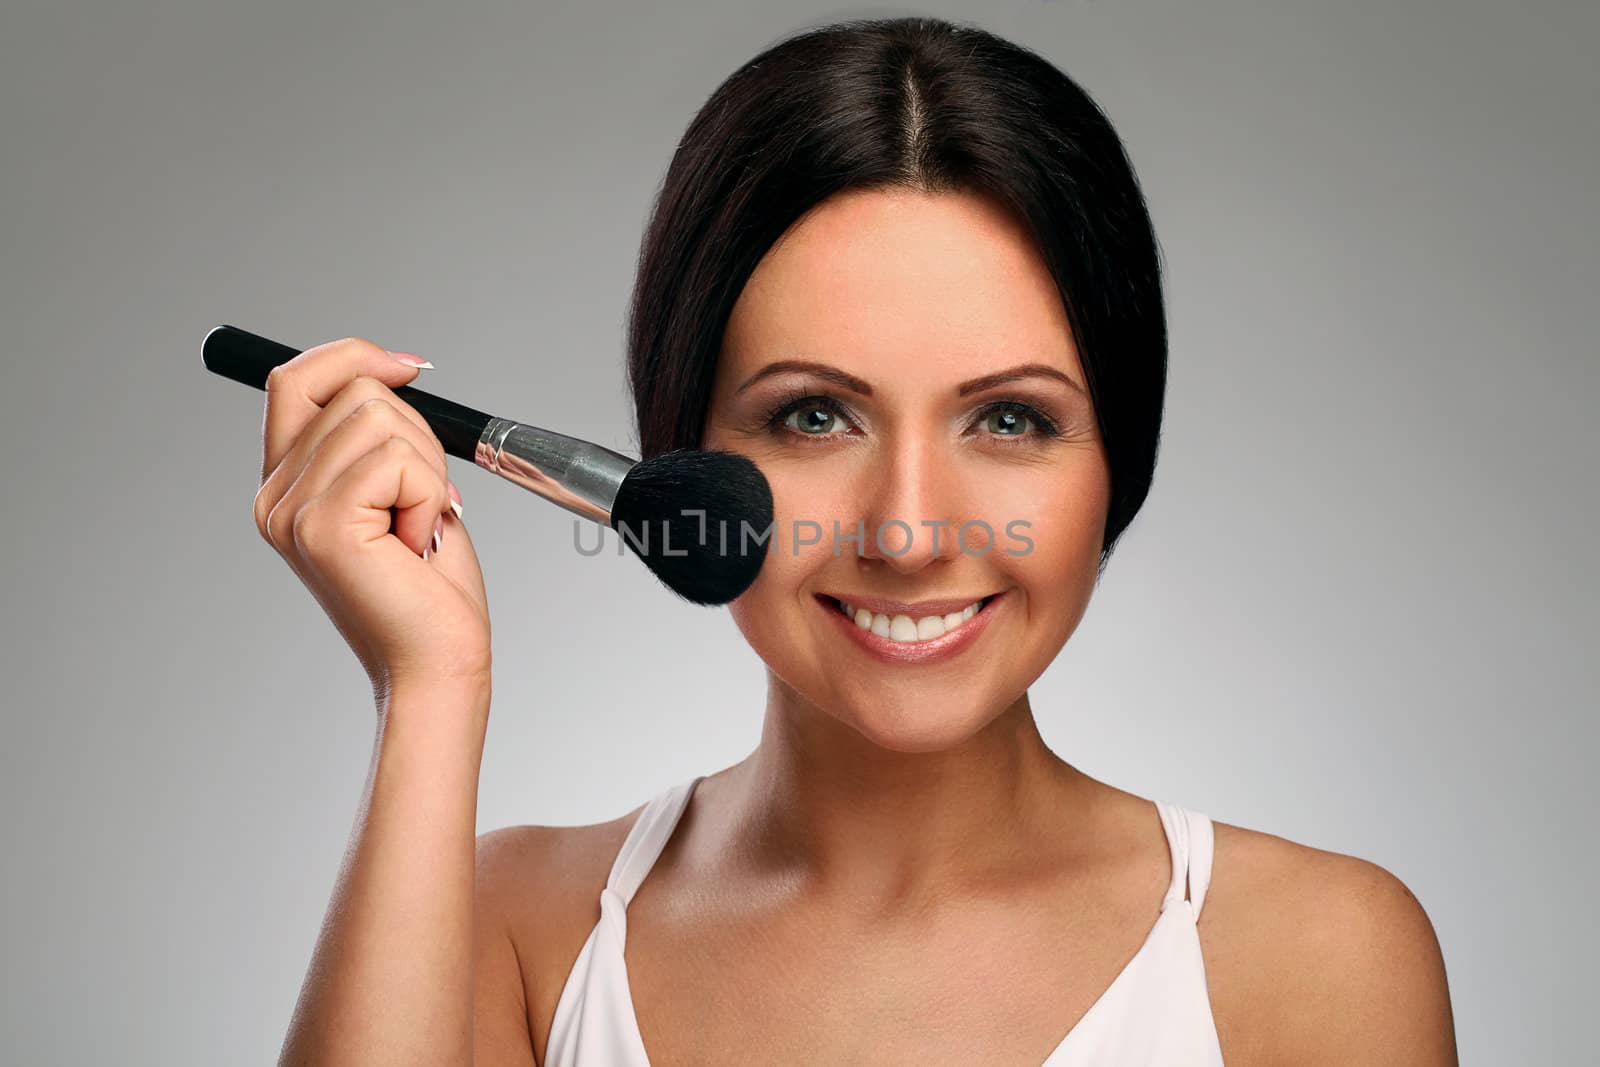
point(247, 358)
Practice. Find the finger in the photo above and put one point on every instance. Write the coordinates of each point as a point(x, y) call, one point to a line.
point(300, 387)
point(359, 391)
point(458, 561)
point(390, 479)
point(373, 422)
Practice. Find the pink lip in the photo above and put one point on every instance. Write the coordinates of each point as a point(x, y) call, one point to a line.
point(931, 651)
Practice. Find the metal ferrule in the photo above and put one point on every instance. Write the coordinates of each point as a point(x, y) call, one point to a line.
point(577, 475)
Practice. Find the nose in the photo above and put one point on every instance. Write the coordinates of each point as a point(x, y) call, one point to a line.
point(912, 509)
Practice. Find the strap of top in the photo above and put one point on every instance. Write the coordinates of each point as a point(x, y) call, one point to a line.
point(647, 838)
point(1190, 840)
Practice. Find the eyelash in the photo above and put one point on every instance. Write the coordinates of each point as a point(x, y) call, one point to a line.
point(1045, 427)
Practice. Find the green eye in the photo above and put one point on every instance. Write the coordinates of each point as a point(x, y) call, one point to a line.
point(815, 420)
point(1006, 422)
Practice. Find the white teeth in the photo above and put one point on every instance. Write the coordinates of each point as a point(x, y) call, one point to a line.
point(901, 628)
point(906, 629)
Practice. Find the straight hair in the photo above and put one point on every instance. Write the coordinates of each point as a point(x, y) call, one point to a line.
point(914, 103)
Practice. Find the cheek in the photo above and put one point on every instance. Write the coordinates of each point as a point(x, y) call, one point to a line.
point(771, 616)
point(805, 508)
point(1049, 525)
point(773, 613)
point(1060, 508)
point(808, 503)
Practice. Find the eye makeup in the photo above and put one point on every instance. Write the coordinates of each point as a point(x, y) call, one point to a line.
point(1045, 428)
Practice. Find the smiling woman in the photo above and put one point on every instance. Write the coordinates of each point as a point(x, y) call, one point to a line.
point(905, 267)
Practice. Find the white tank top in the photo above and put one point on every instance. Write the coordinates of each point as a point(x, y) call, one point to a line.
point(1155, 1011)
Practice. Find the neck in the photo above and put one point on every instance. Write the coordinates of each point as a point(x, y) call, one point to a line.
point(828, 810)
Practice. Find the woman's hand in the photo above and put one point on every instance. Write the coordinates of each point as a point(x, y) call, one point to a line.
point(354, 485)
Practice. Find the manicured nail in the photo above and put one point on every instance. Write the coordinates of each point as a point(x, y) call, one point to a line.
point(411, 360)
point(438, 533)
point(455, 498)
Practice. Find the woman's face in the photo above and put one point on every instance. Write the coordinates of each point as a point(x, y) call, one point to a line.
point(942, 388)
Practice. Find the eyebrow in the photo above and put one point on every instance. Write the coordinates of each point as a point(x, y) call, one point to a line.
point(856, 385)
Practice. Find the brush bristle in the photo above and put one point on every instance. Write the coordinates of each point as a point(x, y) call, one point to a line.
point(708, 559)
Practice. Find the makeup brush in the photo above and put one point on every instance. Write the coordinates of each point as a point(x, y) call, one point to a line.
point(684, 513)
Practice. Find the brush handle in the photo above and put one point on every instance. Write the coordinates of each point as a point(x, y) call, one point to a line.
point(246, 358)
point(575, 474)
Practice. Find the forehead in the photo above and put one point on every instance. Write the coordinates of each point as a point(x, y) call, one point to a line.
point(886, 282)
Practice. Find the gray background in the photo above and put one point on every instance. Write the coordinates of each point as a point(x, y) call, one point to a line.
point(1358, 610)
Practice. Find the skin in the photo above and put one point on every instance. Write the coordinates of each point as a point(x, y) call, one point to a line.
point(902, 871)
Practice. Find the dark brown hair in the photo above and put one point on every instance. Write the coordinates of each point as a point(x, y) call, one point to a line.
point(919, 103)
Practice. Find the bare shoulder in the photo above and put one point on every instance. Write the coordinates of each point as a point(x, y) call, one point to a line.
point(547, 875)
point(540, 886)
point(1334, 950)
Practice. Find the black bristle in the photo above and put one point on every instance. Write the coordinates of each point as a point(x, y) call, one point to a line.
point(708, 560)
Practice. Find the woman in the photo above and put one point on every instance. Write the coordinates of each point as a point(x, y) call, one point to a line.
point(904, 266)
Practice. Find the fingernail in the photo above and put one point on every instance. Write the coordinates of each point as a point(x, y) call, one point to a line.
point(455, 498)
point(438, 533)
point(411, 360)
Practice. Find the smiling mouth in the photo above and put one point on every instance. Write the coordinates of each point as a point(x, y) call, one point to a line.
point(907, 629)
